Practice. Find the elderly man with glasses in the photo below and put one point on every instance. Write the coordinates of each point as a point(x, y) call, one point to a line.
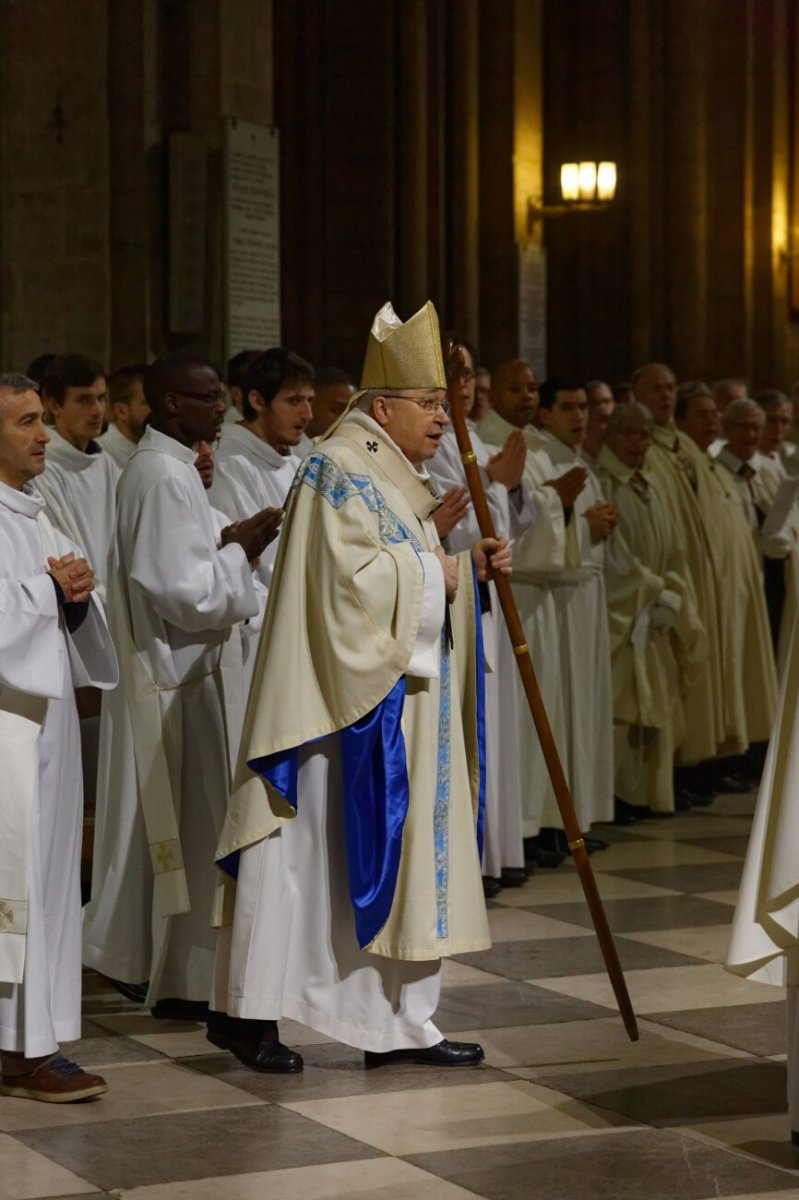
point(354, 827)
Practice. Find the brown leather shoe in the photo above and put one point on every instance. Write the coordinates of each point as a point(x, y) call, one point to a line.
point(53, 1078)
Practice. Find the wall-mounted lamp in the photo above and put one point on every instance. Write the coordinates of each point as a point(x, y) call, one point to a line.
point(585, 187)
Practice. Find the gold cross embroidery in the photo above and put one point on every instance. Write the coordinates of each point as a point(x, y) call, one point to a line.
point(6, 916)
point(165, 857)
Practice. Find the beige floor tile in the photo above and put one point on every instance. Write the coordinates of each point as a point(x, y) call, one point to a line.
point(451, 1118)
point(458, 974)
point(25, 1174)
point(515, 925)
point(563, 886)
point(177, 1045)
point(139, 1090)
point(703, 941)
point(668, 989)
point(729, 897)
point(693, 825)
point(533, 1051)
point(622, 855)
point(766, 1138)
point(386, 1178)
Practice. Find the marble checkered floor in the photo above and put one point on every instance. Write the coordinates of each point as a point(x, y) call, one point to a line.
point(565, 1107)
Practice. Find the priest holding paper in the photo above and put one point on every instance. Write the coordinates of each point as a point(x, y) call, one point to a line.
point(52, 639)
point(354, 826)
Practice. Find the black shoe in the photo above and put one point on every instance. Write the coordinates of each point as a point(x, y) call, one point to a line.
point(795, 1137)
point(174, 1009)
point(592, 844)
point(547, 860)
point(513, 877)
point(491, 887)
point(137, 992)
point(623, 813)
point(253, 1043)
point(445, 1054)
point(733, 784)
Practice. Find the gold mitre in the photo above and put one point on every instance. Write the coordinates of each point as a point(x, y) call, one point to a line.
point(404, 356)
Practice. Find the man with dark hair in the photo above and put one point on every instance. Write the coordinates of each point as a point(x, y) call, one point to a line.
point(255, 463)
point(79, 481)
point(578, 593)
point(38, 366)
point(177, 590)
point(234, 380)
point(129, 413)
point(52, 639)
point(333, 390)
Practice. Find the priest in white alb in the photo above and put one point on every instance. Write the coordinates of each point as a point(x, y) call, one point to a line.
point(254, 464)
point(513, 512)
point(354, 826)
point(541, 549)
point(578, 593)
point(764, 945)
point(657, 643)
point(169, 731)
point(129, 413)
point(53, 638)
point(80, 478)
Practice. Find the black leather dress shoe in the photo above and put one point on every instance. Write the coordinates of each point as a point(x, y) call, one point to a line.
point(795, 1137)
point(735, 784)
point(623, 813)
point(445, 1054)
point(137, 992)
point(253, 1043)
point(491, 887)
point(513, 877)
point(175, 1009)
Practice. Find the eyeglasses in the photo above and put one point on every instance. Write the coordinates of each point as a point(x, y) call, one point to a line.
point(428, 405)
point(206, 397)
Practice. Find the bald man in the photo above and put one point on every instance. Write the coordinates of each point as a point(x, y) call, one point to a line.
point(748, 683)
point(538, 554)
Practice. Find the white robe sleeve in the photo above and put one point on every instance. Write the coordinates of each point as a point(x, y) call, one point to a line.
point(188, 582)
point(424, 659)
point(31, 645)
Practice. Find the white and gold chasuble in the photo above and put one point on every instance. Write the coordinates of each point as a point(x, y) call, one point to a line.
point(344, 616)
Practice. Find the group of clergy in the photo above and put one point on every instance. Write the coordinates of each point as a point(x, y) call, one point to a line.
point(257, 625)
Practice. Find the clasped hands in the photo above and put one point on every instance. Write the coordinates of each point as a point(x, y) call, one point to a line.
point(74, 576)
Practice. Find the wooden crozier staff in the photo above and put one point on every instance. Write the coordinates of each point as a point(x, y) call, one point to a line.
point(454, 362)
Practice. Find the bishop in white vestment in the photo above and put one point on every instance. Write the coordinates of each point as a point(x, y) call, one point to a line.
point(355, 754)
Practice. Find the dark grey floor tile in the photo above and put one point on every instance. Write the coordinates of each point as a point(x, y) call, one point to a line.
point(735, 845)
point(684, 1093)
point(131, 1024)
point(333, 1070)
point(548, 958)
point(93, 1051)
point(644, 913)
point(699, 877)
point(195, 1145)
point(757, 1028)
point(639, 1165)
point(497, 1005)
